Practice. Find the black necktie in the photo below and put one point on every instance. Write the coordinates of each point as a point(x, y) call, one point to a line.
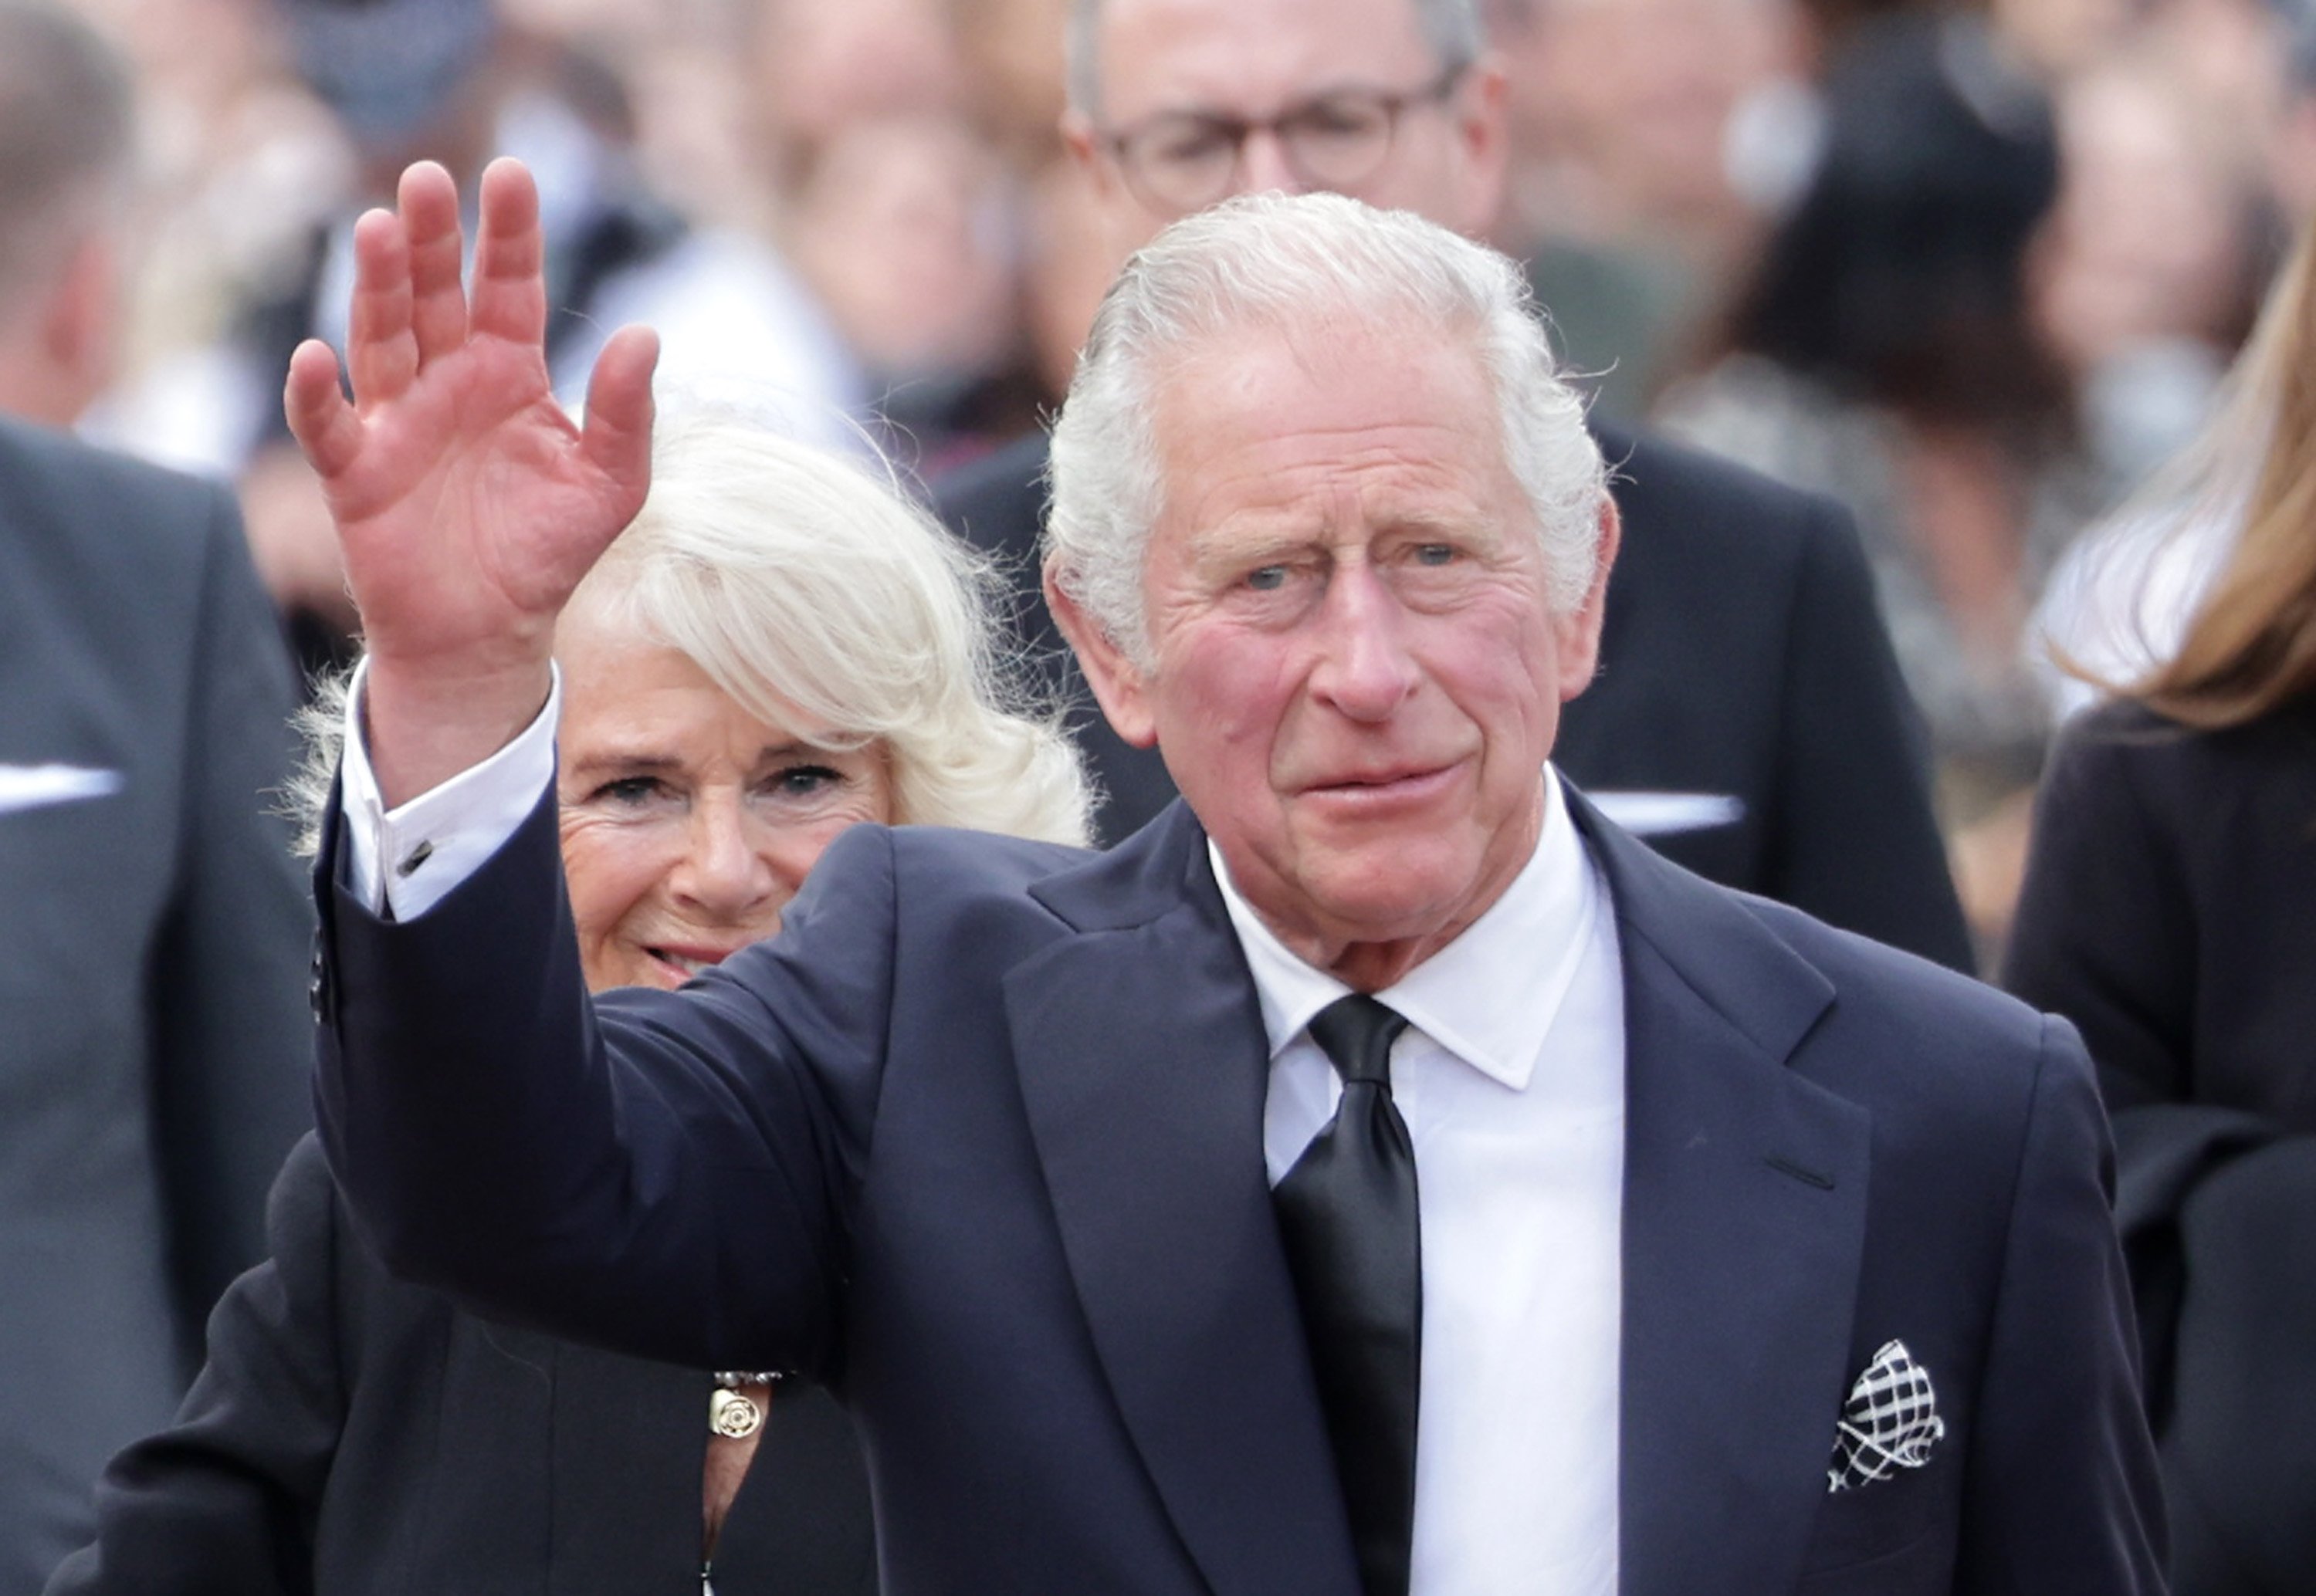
point(1347, 1212)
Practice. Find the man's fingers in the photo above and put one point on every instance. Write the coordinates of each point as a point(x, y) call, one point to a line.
point(429, 202)
point(381, 353)
point(324, 424)
point(617, 439)
point(510, 294)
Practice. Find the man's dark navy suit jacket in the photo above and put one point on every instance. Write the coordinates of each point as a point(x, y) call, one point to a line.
point(977, 1142)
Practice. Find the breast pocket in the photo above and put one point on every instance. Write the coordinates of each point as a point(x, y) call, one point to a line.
point(1890, 1537)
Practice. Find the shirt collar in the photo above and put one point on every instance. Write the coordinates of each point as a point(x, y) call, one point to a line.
point(1489, 996)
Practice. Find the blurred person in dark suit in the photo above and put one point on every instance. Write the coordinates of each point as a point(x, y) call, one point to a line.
point(1748, 720)
point(152, 1043)
point(2167, 913)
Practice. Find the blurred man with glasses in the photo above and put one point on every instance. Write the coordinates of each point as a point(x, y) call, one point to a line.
point(1749, 720)
point(1182, 161)
point(1174, 104)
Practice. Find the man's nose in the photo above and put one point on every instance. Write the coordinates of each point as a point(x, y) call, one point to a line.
point(1263, 167)
point(727, 870)
point(1365, 668)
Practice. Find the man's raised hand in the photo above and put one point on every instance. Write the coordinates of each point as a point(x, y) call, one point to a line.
point(468, 505)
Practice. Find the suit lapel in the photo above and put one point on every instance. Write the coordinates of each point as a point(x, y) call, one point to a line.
point(1744, 1219)
point(1144, 1067)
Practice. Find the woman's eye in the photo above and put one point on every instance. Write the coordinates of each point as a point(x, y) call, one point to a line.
point(799, 780)
point(629, 789)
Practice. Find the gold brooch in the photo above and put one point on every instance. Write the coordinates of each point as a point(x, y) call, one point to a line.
point(733, 1413)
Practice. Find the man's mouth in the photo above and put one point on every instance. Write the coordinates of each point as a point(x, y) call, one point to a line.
point(1409, 778)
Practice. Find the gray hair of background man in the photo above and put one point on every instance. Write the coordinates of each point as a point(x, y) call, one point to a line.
point(1452, 27)
point(1300, 262)
point(68, 125)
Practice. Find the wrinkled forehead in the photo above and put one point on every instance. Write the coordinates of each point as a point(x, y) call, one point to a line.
point(1350, 332)
point(1353, 328)
point(1284, 419)
point(1250, 58)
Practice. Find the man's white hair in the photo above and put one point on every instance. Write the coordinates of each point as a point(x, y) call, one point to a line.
point(1452, 27)
point(1305, 263)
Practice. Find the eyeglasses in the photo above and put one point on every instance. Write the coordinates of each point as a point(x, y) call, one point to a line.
point(1184, 161)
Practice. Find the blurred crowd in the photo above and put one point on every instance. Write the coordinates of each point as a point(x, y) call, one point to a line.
point(1976, 273)
point(1972, 272)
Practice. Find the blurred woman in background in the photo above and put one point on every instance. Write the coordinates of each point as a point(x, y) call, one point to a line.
point(2170, 911)
point(776, 648)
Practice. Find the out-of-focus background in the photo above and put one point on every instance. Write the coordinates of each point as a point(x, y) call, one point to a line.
point(1972, 272)
point(1977, 272)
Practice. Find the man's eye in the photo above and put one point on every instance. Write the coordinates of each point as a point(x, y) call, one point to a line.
point(1435, 553)
point(1190, 142)
point(1342, 117)
point(1267, 579)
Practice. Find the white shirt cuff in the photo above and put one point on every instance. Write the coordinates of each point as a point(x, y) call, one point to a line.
point(438, 839)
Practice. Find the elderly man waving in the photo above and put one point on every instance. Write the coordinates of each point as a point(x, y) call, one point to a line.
point(1748, 719)
point(1380, 1174)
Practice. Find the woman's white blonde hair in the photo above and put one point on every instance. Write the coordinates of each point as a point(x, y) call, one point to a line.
point(808, 587)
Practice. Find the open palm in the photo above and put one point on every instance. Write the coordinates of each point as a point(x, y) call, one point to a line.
point(468, 504)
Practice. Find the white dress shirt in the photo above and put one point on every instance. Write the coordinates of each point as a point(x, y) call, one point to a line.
point(1510, 1077)
point(438, 839)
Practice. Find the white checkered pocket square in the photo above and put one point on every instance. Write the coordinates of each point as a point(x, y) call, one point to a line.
point(1889, 1423)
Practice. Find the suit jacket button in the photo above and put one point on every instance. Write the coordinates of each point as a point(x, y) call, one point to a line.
point(317, 985)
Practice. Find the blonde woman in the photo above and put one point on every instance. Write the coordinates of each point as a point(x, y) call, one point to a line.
point(776, 648)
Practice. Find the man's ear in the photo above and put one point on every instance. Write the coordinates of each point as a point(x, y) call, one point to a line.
point(1084, 142)
point(1126, 225)
point(1579, 630)
point(1119, 685)
point(61, 336)
point(80, 330)
point(1483, 144)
